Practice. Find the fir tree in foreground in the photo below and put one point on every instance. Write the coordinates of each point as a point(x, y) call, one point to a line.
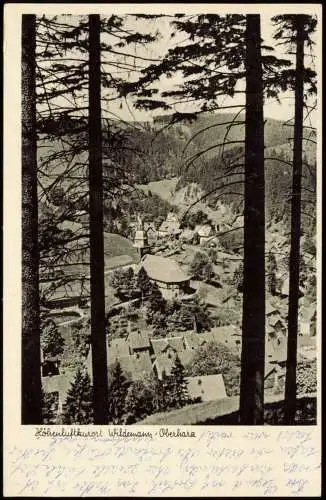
point(31, 374)
point(48, 408)
point(295, 33)
point(138, 402)
point(118, 389)
point(52, 342)
point(78, 405)
point(144, 283)
point(178, 385)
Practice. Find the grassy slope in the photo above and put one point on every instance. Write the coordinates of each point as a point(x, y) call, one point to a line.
point(211, 411)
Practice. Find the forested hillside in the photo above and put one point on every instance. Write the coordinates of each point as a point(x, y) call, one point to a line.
point(187, 150)
point(153, 151)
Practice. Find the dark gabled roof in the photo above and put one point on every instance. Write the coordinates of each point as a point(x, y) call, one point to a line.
point(191, 340)
point(138, 340)
point(163, 344)
point(176, 343)
point(118, 347)
point(137, 365)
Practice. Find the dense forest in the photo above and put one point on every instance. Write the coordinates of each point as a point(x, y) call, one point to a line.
point(156, 162)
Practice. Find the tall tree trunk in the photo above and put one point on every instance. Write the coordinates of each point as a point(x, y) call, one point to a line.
point(31, 357)
point(98, 340)
point(253, 322)
point(291, 366)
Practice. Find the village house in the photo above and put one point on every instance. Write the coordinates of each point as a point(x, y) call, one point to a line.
point(137, 365)
point(187, 235)
point(141, 239)
point(307, 320)
point(58, 385)
point(119, 347)
point(275, 362)
point(307, 348)
point(191, 340)
point(150, 231)
point(167, 345)
point(194, 340)
point(229, 335)
point(164, 362)
point(138, 342)
point(75, 293)
point(170, 227)
point(167, 274)
point(206, 387)
point(205, 233)
point(275, 325)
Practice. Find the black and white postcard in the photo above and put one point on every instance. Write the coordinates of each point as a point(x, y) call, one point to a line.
point(162, 214)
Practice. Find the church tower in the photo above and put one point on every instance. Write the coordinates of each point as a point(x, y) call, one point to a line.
point(141, 239)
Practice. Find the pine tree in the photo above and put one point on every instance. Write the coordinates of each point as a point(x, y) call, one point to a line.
point(78, 407)
point(158, 391)
point(297, 29)
point(52, 342)
point(156, 302)
point(48, 413)
point(144, 283)
point(31, 357)
point(139, 402)
point(178, 385)
point(201, 267)
point(118, 389)
point(98, 333)
point(202, 317)
point(181, 319)
point(253, 313)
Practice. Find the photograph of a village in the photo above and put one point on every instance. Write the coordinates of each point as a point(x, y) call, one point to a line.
point(169, 213)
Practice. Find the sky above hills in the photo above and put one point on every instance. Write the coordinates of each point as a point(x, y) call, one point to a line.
point(140, 55)
point(283, 110)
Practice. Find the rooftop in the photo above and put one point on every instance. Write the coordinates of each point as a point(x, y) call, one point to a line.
point(137, 365)
point(138, 340)
point(58, 383)
point(207, 387)
point(163, 344)
point(163, 269)
point(276, 350)
point(118, 347)
point(307, 312)
point(203, 230)
point(164, 363)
